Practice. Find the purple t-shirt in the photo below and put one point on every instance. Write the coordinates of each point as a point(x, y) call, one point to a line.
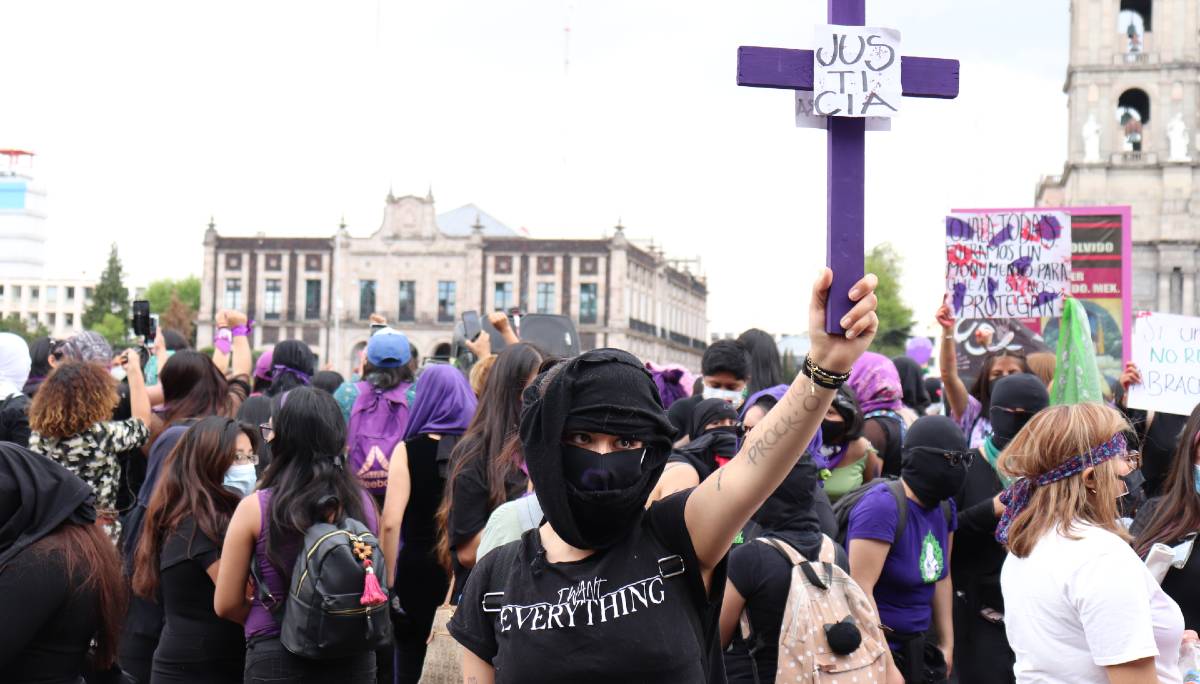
point(904, 592)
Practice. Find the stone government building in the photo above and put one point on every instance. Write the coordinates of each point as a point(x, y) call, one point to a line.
point(422, 270)
point(1133, 96)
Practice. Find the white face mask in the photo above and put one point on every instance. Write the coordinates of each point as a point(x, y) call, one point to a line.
point(241, 479)
point(118, 373)
point(734, 397)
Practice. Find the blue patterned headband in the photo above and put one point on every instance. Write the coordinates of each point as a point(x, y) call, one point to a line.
point(1017, 496)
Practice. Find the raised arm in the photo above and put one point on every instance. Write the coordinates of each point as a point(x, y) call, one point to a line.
point(499, 321)
point(952, 385)
point(139, 401)
point(722, 504)
point(399, 488)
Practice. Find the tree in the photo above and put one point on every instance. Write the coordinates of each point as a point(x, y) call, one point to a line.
point(159, 293)
point(13, 324)
point(176, 302)
point(895, 319)
point(179, 317)
point(114, 328)
point(110, 298)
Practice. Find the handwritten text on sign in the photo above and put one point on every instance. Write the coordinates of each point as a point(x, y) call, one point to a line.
point(1166, 349)
point(1008, 264)
point(856, 71)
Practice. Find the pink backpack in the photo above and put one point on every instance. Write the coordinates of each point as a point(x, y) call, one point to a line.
point(377, 424)
point(822, 597)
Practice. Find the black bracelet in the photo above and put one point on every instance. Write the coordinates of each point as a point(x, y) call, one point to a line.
point(821, 377)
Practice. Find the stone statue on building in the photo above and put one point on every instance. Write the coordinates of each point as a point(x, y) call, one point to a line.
point(1177, 136)
point(1091, 139)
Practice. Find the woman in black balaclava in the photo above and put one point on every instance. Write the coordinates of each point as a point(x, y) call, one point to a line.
point(608, 589)
point(712, 435)
point(983, 652)
point(905, 568)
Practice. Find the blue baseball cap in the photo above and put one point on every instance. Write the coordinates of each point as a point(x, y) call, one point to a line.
point(388, 348)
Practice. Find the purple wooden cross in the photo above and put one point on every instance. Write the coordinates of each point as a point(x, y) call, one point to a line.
point(762, 67)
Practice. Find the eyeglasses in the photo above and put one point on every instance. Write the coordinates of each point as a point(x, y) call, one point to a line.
point(245, 458)
point(267, 432)
point(954, 458)
point(1132, 458)
point(957, 457)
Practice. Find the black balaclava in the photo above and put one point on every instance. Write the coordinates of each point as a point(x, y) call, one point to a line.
point(706, 445)
point(924, 468)
point(36, 496)
point(709, 411)
point(1023, 391)
point(608, 391)
point(788, 513)
point(850, 428)
point(912, 384)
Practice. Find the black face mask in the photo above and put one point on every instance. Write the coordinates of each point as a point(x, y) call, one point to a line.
point(931, 476)
point(1135, 495)
point(1017, 391)
point(589, 471)
point(832, 431)
point(604, 492)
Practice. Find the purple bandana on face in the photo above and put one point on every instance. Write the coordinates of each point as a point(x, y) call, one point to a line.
point(1017, 496)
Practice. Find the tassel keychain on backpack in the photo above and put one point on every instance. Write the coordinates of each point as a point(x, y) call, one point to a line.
point(372, 593)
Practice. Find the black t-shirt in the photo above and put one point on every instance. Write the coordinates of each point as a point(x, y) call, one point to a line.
point(611, 617)
point(187, 598)
point(48, 619)
point(472, 507)
point(977, 557)
point(763, 577)
point(419, 527)
point(14, 419)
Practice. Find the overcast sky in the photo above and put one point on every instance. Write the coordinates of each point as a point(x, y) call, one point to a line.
point(282, 117)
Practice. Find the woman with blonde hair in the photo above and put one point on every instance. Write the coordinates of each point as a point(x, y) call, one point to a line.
point(1080, 606)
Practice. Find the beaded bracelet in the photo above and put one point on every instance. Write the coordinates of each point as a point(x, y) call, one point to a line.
point(821, 377)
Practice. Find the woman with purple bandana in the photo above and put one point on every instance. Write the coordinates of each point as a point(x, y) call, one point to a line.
point(876, 386)
point(441, 412)
point(1080, 606)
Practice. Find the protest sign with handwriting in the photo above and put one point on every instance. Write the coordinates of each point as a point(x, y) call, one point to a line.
point(1008, 264)
point(1166, 349)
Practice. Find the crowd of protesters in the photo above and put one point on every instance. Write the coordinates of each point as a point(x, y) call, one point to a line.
point(168, 515)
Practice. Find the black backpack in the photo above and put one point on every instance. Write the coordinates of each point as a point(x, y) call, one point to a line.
point(336, 605)
point(841, 509)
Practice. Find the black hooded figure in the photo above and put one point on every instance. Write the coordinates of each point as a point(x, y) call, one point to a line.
point(981, 647)
point(708, 448)
point(615, 615)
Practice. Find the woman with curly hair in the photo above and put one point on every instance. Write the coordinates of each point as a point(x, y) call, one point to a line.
point(71, 421)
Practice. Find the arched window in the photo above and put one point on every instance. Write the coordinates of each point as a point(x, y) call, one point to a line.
point(1133, 22)
point(1133, 113)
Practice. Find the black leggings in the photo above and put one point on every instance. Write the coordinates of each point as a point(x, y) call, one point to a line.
point(268, 662)
point(420, 586)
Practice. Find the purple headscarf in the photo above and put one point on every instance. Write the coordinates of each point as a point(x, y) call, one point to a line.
point(667, 380)
point(444, 403)
point(262, 367)
point(776, 393)
point(876, 383)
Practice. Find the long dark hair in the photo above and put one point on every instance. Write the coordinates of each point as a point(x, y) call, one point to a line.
point(295, 355)
point(89, 554)
point(307, 475)
point(39, 357)
point(1178, 513)
point(192, 386)
point(765, 368)
point(192, 485)
point(492, 434)
point(981, 389)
